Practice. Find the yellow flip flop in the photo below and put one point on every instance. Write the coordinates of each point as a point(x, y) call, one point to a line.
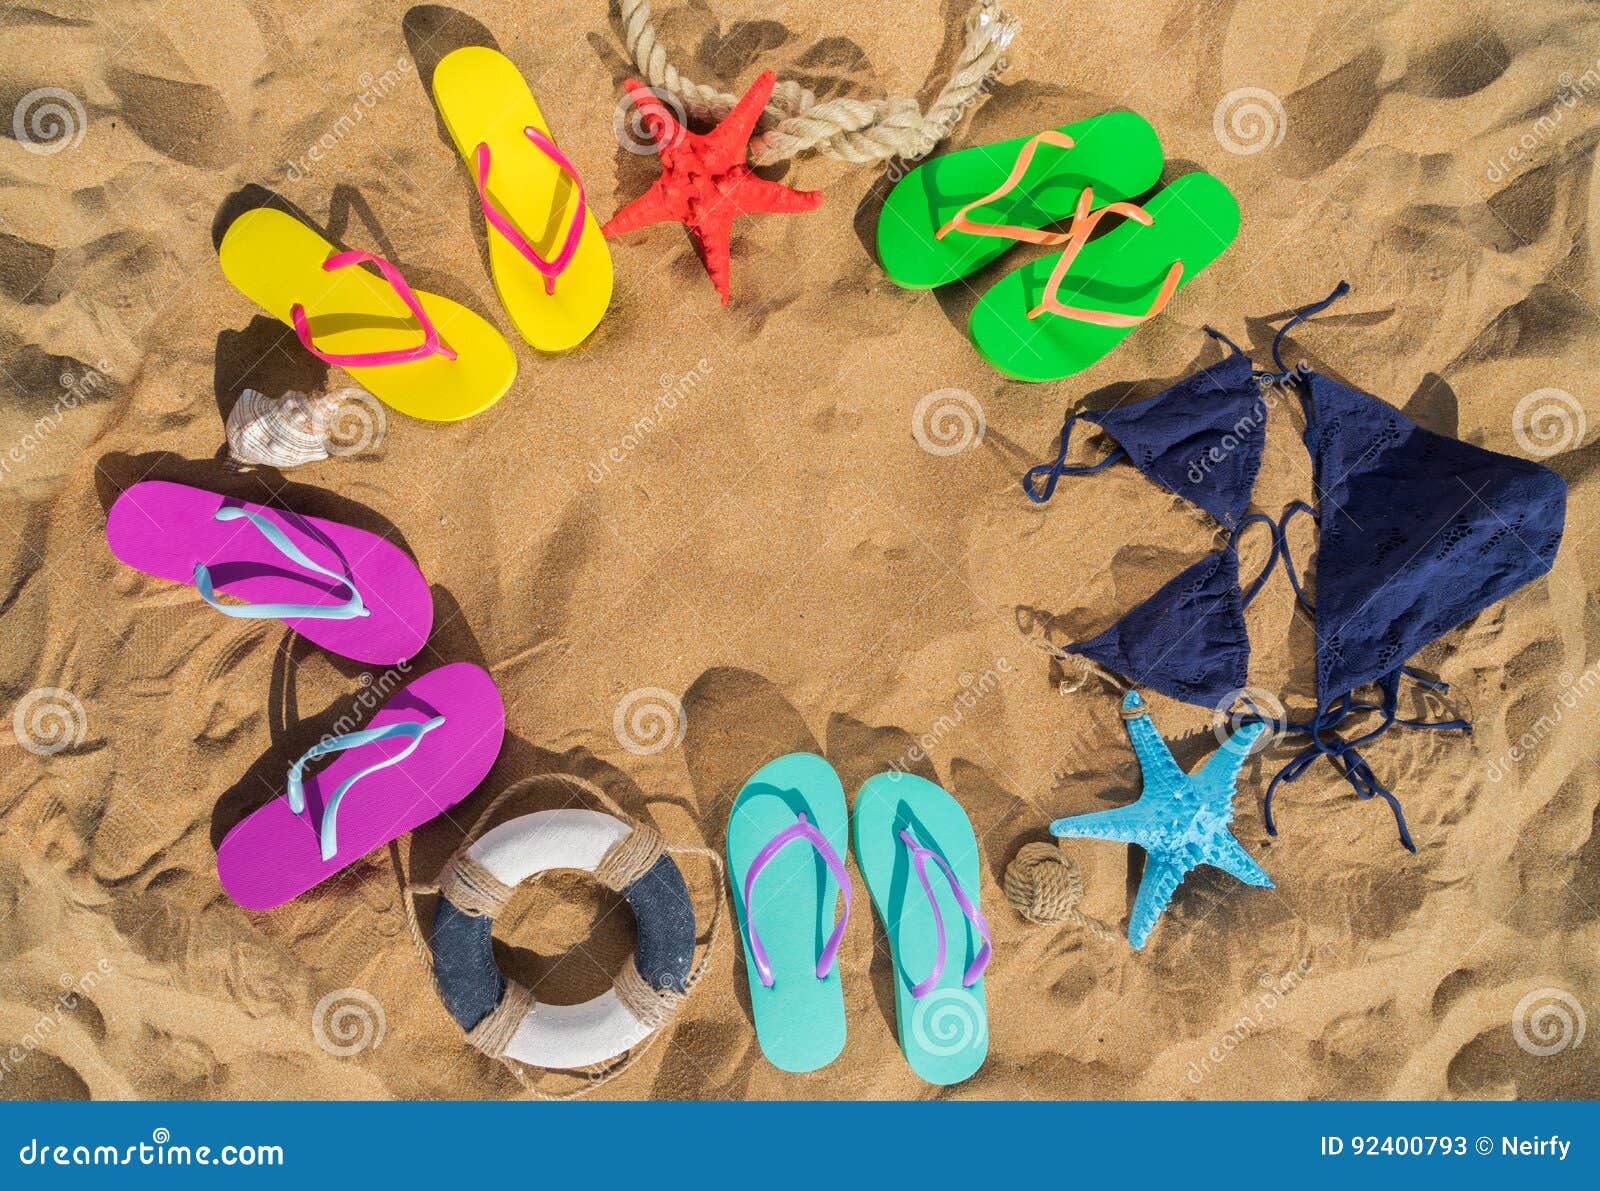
point(369, 324)
point(550, 262)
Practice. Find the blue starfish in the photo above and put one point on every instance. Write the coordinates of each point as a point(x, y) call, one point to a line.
point(1180, 820)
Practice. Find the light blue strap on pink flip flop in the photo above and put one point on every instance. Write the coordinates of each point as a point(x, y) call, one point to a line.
point(326, 829)
point(349, 610)
point(555, 266)
point(974, 972)
point(430, 345)
point(802, 830)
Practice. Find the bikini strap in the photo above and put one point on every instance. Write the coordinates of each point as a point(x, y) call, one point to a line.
point(1254, 589)
point(1052, 472)
point(1289, 513)
point(1300, 316)
point(1344, 754)
point(1216, 334)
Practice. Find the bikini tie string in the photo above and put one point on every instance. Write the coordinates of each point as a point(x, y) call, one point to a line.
point(1051, 473)
point(1344, 755)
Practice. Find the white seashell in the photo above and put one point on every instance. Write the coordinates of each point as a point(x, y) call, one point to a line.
point(293, 429)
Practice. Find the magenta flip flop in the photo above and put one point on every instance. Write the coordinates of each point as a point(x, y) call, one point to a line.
point(424, 751)
point(342, 588)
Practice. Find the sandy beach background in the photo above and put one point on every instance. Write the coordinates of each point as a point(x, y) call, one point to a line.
point(759, 515)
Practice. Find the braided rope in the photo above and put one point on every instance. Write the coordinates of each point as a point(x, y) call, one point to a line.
point(1043, 884)
point(630, 858)
point(852, 129)
point(494, 1033)
point(472, 888)
point(652, 1007)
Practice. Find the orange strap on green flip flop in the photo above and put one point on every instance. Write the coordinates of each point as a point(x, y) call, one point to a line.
point(927, 233)
point(1058, 315)
point(959, 222)
point(1083, 225)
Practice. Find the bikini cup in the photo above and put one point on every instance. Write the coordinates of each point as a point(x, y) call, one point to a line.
point(1201, 439)
point(1188, 640)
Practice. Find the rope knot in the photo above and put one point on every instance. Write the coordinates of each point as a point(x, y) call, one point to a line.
point(630, 858)
point(653, 1007)
point(472, 888)
point(1043, 884)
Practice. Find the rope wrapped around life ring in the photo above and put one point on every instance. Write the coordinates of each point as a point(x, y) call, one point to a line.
point(502, 1018)
point(852, 129)
point(1044, 886)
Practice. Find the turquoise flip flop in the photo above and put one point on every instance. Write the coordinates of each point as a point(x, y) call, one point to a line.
point(901, 826)
point(787, 836)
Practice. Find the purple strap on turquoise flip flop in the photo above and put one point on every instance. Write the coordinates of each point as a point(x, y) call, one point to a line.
point(919, 858)
point(549, 269)
point(802, 830)
point(430, 345)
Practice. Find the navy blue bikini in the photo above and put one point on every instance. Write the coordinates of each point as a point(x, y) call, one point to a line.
point(1417, 533)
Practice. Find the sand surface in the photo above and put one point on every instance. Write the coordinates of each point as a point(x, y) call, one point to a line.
point(775, 549)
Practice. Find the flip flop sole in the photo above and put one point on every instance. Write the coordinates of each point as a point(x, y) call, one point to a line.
point(276, 261)
point(800, 1021)
point(1118, 154)
point(1193, 220)
point(273, 856)
point(944, 1034)
point(163, 529)
point(483, 99)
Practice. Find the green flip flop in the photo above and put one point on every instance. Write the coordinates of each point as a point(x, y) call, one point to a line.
point(1058, 315)
point(1117, 154)
point(787, 836)
point(919, 858)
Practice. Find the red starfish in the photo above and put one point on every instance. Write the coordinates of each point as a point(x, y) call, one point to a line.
point(705, 183)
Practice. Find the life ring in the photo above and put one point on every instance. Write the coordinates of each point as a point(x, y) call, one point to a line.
point(500, 1017)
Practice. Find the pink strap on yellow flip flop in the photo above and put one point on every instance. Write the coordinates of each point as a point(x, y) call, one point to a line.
point(960, 223)
point(430, 345)
point(554, 267)
point(1078, 233)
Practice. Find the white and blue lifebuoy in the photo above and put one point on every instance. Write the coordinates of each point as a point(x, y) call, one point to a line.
point(564, 1037)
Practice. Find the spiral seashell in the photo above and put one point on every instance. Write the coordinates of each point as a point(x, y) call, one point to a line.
point(287, 431)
